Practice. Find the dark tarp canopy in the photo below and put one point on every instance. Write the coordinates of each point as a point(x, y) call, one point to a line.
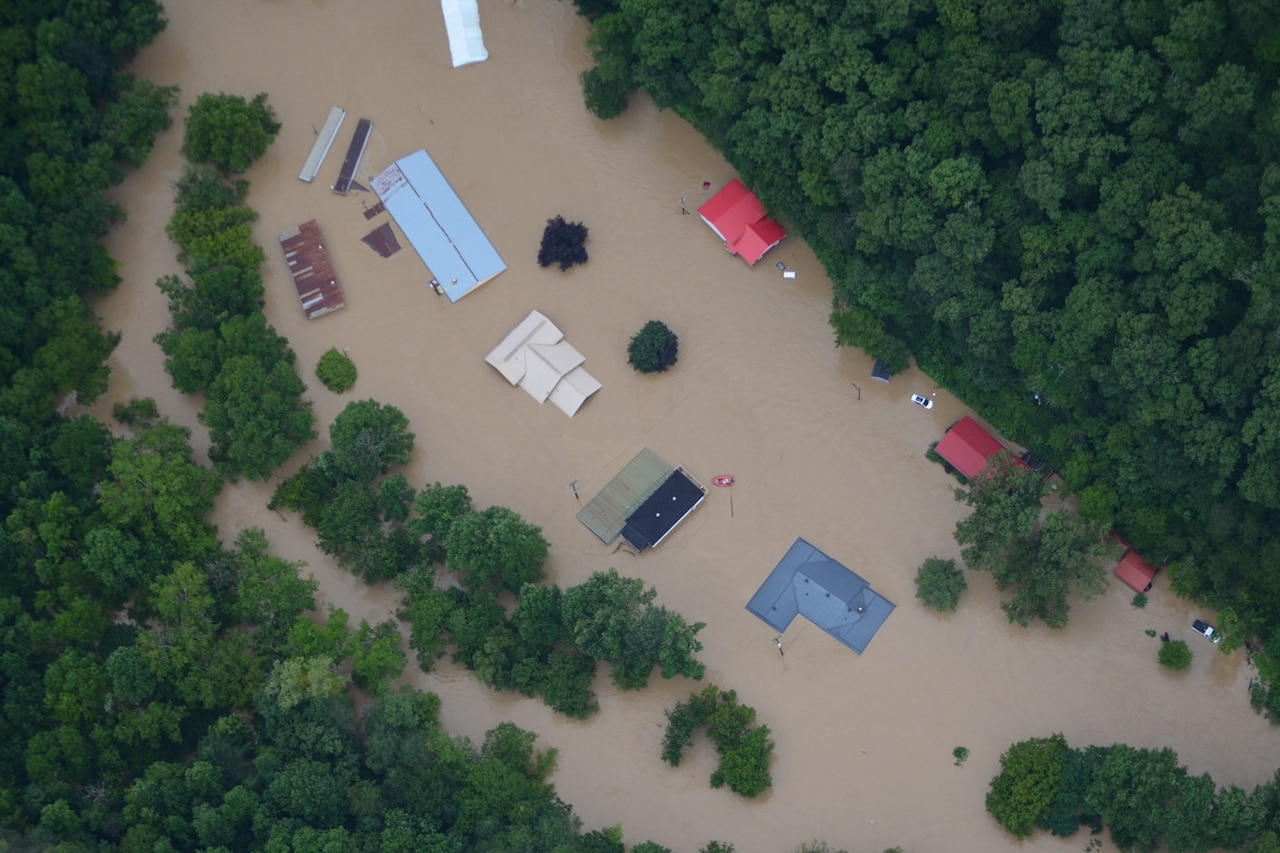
point(809, 583)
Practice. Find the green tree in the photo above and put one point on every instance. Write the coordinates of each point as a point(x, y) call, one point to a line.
point(228, 131)
point(1175, 655)
point(269, 594)
point(256, 416)
point(1023, 794)
point(156, 491)
point(366, 438)
point(653, 349)
point(336, 371)
point(497, 549)
point(435, 510)
point(376, 659)
point(1133, 790)
point(939, 583)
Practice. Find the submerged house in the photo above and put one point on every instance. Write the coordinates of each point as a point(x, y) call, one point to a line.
point(808, 583)
point(644, 503)
point(737, 217)
point(967, 446)
point(536, 357)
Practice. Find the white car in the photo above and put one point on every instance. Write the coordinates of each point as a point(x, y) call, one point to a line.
point(922, 401)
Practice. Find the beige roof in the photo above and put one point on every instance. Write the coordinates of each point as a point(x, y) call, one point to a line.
point(536, 357)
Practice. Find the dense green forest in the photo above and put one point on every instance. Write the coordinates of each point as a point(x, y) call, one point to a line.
point(1068, 210)
point(1143, 797)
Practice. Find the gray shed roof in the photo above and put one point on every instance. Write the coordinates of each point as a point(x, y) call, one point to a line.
point(809, 583)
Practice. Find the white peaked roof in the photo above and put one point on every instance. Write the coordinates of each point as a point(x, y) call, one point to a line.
point(462, 22)
point(536, 357)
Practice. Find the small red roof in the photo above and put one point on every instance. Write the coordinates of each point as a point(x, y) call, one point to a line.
point(737, 217)
point(967, 446)
point(1135, 571)
point(760, 237)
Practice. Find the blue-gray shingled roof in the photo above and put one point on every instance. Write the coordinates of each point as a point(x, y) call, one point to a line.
point(808, 583)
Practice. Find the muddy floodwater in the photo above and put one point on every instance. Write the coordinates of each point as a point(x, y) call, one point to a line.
point(864, 743)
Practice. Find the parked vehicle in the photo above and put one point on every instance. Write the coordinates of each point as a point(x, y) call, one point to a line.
point(922, 401)
point(1202, 627)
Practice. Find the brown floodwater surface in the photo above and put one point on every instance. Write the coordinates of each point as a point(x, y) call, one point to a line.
point(864, 743)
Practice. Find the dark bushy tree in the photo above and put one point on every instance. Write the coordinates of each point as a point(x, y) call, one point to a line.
point(605, 98)
point(654, 348)
point(563, 243)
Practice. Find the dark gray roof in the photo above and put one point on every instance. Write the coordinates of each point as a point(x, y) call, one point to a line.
point(809, 583)
point(879, 371)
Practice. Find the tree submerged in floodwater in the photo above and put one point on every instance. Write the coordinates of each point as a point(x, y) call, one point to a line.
point(563, 243)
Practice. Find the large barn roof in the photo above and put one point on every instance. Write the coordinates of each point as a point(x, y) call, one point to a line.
point(437, 224)
point(808, 583)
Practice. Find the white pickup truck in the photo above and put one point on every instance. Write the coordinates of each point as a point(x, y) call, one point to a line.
point(1202, 627)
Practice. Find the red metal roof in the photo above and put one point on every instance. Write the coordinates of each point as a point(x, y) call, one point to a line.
point(759, 237)
point(737, 217)
point(967, 446)
point(1136, 572)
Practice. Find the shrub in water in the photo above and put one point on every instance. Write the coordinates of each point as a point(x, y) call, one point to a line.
point(336, 371)
point(1175, 655)
point(939, 583)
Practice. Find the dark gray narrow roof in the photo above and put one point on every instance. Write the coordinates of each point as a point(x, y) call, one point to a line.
point(809, 583)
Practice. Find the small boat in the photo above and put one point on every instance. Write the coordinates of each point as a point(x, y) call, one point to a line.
point(722, 480)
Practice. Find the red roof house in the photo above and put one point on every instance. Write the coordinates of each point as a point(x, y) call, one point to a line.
point(967, 446)
point(737, 217)
point(1135, 571)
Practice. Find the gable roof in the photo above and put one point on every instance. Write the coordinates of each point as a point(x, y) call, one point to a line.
point(662, 511)
point(967, 446)
point(737, 217)
point(437, 224)
point(535, 356)
point(606, 514)
point(808, 583)
point(758, 237)
point(1135, 571)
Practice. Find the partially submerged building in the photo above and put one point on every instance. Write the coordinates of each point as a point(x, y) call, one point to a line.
point(737, 217)
point(1133, 569)
point(536, 357)
point(462, 24)
point(967, 446)
point(437, 224)
point(808, 583)
point(644, 503)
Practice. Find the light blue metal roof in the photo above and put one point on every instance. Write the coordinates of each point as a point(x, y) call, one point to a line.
point(438, 225)
point(808, 583)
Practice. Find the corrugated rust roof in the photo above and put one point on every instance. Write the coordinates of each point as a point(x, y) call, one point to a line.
point(312, 271)
point(606, 514)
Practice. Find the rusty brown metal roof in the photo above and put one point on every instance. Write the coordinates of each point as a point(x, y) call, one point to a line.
point(313, 276)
